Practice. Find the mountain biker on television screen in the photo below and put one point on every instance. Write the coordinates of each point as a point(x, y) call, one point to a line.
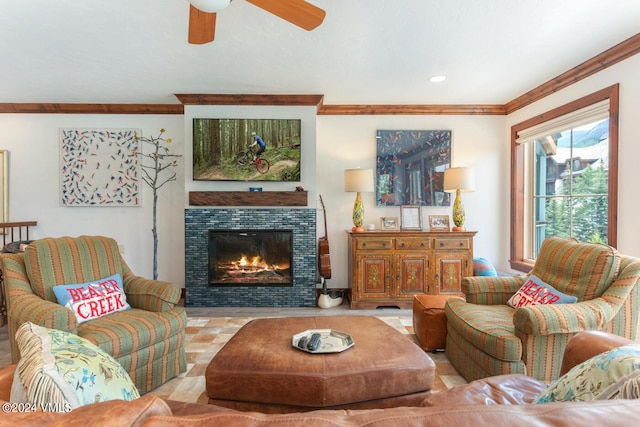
point(261, 145)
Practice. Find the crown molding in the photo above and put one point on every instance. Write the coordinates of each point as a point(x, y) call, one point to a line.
point(426, 109)
point(606, 59)
point(55, 108)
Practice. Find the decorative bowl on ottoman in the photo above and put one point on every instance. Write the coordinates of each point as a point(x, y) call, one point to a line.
point(328, 341)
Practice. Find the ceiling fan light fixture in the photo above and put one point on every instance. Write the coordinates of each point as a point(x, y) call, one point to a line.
point(437, 78)
point(210, 6)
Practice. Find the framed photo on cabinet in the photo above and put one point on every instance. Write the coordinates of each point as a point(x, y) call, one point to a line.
point(389, 223)
point(410, 217)
point(438, 222)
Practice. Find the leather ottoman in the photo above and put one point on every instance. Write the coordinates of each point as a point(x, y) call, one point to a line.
point(259, 370)
point(429, 321)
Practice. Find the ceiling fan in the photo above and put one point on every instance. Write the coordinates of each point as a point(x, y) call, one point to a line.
point(202, 15)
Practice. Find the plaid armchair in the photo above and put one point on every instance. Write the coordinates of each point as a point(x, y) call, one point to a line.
point(147, 340)
point(486, 337)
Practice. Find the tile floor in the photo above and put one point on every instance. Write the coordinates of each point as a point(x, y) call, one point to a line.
point(208, 329)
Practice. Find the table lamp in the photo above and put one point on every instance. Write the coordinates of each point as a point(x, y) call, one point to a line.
point(358, 181)
point(459, 180)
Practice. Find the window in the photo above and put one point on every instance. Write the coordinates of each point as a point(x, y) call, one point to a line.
point(564, 176)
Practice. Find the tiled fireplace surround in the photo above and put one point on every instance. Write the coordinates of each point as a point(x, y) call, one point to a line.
point(198, 222)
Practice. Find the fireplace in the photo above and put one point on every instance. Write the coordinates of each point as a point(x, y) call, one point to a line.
point(250, 257)
point(300, 222)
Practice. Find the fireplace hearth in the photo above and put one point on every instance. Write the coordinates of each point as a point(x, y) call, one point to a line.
point(250, 257)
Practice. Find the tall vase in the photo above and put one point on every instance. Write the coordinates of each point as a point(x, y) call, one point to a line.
point(458, 213)
point(358, 214)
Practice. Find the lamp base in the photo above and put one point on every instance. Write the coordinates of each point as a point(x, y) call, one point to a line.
point(358, 215)
point(458, 213)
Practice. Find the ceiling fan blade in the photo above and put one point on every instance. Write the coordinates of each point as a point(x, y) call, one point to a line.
point(202, 26)
point(298, 12)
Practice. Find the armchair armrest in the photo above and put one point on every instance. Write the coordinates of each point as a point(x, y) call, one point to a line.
point(150, 295)
point(490, 290)
point(32, 308)
point(563, 318)
point(25, 306)
point(587, 344)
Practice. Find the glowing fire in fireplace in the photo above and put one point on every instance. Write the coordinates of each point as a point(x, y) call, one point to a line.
point(251, 268)
point(256, 264)
point(251, 257)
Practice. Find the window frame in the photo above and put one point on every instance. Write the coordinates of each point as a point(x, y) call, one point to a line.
point(517, 260)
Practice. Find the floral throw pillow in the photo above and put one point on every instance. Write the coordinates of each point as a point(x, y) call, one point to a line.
point(93, 299)
point(535, 292)
point(62, 371)
point(596, 378)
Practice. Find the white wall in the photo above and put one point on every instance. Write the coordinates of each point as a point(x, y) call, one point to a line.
point(625, 73)
point(346, 142)
point(32, 141)
point(337, 142)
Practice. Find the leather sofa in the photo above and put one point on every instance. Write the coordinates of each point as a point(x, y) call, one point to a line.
point(502, 400)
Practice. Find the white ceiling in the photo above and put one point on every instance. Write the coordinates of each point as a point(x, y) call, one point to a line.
point(365, 52)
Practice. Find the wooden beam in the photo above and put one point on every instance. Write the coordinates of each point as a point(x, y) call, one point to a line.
point(409, 109)
point(53, 108)
point(248, 198)
point(246, 99)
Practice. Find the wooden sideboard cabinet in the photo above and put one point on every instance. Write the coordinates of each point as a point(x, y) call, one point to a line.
point(387, 268)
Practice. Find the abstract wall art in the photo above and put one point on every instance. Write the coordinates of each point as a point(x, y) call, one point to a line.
point(99, 167)
point(410, 167)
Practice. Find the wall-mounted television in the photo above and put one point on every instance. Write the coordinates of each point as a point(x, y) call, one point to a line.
point(227, 149)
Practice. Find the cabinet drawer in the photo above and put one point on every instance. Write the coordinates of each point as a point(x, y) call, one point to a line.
point(452, 244)
point(365, 243)
point(412, 243)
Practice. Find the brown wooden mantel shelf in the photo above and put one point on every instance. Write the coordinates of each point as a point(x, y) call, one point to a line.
point(248, 198)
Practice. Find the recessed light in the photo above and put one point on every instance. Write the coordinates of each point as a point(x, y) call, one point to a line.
point(437, 78)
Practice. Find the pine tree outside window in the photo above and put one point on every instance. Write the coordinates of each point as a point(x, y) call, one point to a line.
point(568, 185)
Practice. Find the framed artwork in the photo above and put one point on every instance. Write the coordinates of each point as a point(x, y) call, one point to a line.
point(411, 217)
point(410, 167)
point(224, 149)
point(439, 223)
point(99, 167)
point(389, 223)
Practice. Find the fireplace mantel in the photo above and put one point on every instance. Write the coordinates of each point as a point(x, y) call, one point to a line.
point(248, 198)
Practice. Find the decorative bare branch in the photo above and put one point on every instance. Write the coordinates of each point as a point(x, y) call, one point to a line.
point(161, 160)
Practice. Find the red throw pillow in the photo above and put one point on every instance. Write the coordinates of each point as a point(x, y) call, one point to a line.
point(536, 292)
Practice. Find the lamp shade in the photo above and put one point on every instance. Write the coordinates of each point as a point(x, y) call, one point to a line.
point(210, 6)
point(358, 180)
point(463, 179)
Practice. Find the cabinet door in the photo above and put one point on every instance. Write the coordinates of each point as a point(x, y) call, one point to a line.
point(450, 268)
point(411, 271)
point(374, 276)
